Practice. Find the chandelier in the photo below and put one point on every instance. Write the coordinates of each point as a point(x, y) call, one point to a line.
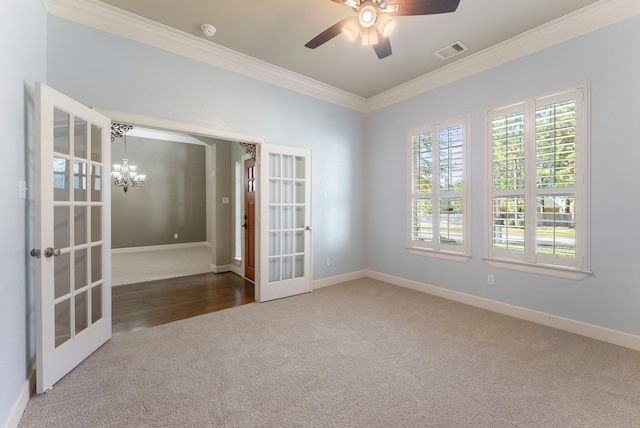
point(125, 175)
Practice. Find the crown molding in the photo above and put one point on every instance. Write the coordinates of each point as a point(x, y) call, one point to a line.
point(107, 18)
point(582, 21)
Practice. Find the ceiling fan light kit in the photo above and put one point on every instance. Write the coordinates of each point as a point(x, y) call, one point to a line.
point(385, 24)
point(374, 22)
point(352, 28)
point(369, 36)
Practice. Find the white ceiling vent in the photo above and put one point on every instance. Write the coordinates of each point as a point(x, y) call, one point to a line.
point(451, 50)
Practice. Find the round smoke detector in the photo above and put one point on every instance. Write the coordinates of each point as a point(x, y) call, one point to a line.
point(208, 30)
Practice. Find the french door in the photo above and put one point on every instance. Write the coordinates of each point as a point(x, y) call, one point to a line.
point(285, 222)
point(73, 234)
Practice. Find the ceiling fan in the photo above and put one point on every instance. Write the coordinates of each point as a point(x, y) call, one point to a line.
point(374, 22)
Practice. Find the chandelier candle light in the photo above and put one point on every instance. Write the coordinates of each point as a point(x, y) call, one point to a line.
point(125, 175)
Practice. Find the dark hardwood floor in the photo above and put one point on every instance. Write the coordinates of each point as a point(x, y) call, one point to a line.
point(146, 304)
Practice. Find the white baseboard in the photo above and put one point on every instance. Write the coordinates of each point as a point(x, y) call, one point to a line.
point(325, 282)
point(592, 331)
point(221, 268)
point(159, 247)
point(236, 269)
point(21, 401)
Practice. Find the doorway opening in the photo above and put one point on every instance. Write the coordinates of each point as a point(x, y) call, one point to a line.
point(224, 280)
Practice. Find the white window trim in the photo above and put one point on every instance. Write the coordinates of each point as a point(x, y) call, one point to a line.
point(443, 251)
point(528, 263)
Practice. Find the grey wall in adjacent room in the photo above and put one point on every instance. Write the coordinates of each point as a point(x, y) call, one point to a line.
point(172, 200)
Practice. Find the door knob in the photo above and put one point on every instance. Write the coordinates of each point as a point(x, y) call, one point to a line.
point(51, 252)
point(245, 225)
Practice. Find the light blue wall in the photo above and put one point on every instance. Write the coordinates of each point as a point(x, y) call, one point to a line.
point(22, 49)
point(608, 59)
point(114, 73)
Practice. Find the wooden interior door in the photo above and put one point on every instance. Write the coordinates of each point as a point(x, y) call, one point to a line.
point(250, 219)
point(73, 234)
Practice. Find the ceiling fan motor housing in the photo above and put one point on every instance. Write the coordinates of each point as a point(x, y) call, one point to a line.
point(368, 14)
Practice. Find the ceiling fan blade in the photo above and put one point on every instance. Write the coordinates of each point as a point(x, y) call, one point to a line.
point(424, 7)
point(327, 34)
point(383, 47)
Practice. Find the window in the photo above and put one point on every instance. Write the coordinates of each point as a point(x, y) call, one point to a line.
point(537, 183)
point(438, 202)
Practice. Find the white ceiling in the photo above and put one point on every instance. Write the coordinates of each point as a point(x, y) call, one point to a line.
point(275, 31)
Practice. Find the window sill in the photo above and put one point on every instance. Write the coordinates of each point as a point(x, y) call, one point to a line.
point(443, 255)
point(557, 272)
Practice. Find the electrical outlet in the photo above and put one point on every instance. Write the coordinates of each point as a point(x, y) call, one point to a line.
point(175, 236)
point(328, 262)
point(490, 279)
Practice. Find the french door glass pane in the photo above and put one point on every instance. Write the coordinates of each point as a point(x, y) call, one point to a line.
point(96, 223)
point(555, 225)
point(299, 241)
point(287, 191)
point(287, 267)
point(287, 242)
point(299, 217)
point(298, 268)
point(274, 165)
point(300, 197)
point(274, 191)
point(62, 275)
point(62, 314)
point(96, 303)
point(287, 217)
point(61, 135)
point(274, 243)
point(96, 143)
point(61, 179)
point(80, 268)
point(287, 166)
point(61, 227)
point(274, 269)
point(274, 217)
point(300, 167)
point(82, 309)
point(80, 181)
point(80, 225)
point(96, 183)
point(96, 263)
point(79, 138)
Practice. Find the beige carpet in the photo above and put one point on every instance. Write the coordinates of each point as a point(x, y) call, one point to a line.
point(131, 268)
point(359, 354)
